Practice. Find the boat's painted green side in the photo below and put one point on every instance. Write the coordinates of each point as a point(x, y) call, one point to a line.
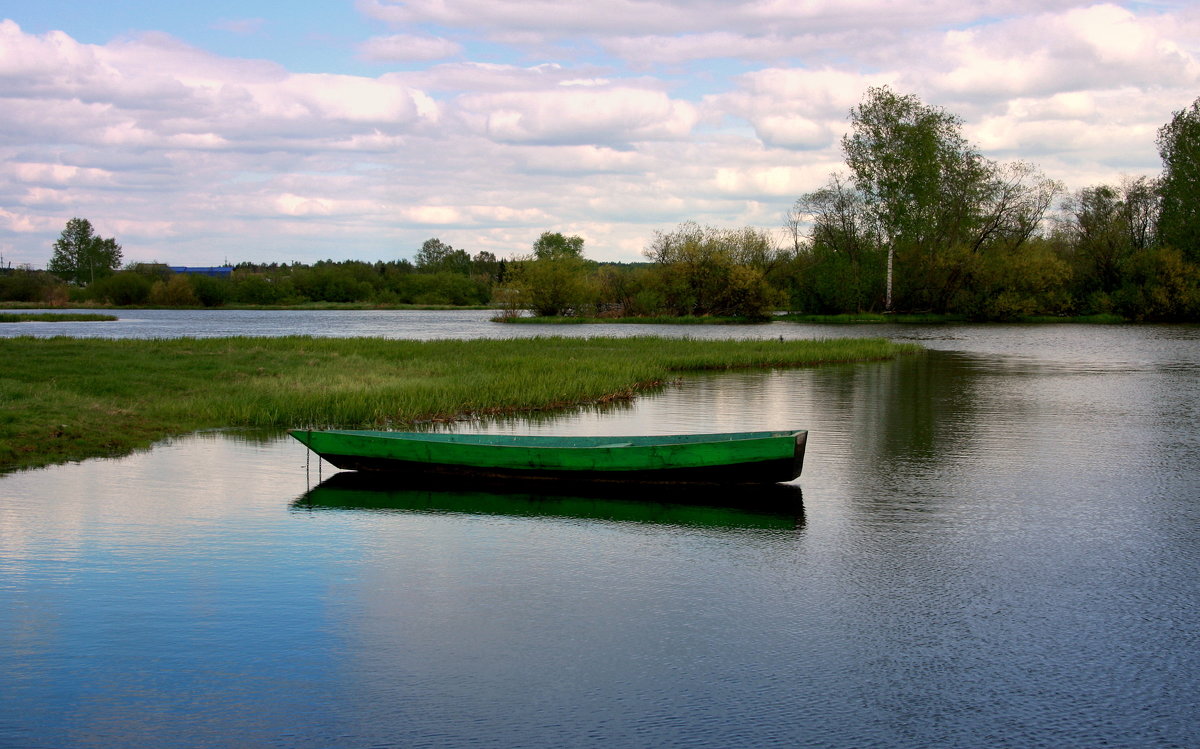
point(742, 457)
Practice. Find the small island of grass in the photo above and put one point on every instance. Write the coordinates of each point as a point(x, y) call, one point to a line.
point(70, 398)
point(934, 319)
point(649, 320)
point(55, 317)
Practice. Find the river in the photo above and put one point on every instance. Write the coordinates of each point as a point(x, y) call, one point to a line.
point(994, 544)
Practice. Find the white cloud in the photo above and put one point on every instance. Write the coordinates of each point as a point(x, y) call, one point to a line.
point(794, 131)
point(407, 47)
point(551, 18)
point(609, 119)
point(573, 115)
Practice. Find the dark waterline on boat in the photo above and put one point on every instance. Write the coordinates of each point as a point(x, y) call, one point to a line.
point(996, 544)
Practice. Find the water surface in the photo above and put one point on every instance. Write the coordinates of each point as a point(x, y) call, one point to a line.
point(995, 544)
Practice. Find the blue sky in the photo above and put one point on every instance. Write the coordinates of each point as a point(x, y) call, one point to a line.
point(196, 133)
point(308, 37)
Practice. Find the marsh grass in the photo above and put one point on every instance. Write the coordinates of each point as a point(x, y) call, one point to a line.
point(55, 317)
point(67, 398)
point(874, 317)
point(1101, 319)
point(932, 319)
point(663, 320)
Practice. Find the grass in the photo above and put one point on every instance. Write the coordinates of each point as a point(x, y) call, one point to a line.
point(930, 318)
point(67, 399)
point(661, 320)
point(327, 306)
point(307, 306)
point(54, 317)
point(1101, 319)
point(873, 317)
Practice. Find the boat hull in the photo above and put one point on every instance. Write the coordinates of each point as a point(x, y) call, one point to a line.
point(745, 457)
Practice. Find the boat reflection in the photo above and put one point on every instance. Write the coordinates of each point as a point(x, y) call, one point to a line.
point(766, 506)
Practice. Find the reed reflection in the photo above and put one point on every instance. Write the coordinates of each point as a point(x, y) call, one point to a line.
point(768, 506)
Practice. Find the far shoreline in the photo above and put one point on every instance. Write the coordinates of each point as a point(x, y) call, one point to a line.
point(863, 318)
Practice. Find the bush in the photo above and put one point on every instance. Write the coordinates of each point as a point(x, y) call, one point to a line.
point(22, 285)
point(1161, 285)
point(254, 289)
point(1009, 285)
point(175, 292)
point(121, 289)
point(328, 283)
point(211, 292)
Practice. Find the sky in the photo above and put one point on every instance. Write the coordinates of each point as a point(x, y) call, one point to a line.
point(204, 133)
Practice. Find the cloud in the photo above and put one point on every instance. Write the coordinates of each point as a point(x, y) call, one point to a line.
point(612, 120)
point(1099, 47)
point(489, 77)
point(407, 48)
point(157, 92)
point(541, 19)
point(572, 115)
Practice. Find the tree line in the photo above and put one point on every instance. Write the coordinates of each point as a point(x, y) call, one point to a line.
point(438, 275)
point(919, 221)
point(923, 222)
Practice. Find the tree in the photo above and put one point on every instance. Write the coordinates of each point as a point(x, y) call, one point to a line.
point(432, 252)
point(435, 256)
point(703, 270)
point(555, 245)
point(82, 257)
point(1179, 145)
point(1141, 211)
point(554, 280)
point(841, 253)
point(919, 176)
point(935, 205)
point(486, 266)
point(1105, 227)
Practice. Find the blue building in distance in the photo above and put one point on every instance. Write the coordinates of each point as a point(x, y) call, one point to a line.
point(216, 271)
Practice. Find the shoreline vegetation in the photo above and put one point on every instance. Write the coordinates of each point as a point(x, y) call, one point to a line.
point(795, 317)
point(849, 319)
point(934, 319)
point(920, 221)
point(648, 320)
point(67, 399)
point(56, 317)
point(302, 307)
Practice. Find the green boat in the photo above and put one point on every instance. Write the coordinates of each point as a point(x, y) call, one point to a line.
point(732, 458)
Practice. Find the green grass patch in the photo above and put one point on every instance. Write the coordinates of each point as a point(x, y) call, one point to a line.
point(661, 320)
point(350, 306)
point(1086, 319)
point(932, 319)
point(874, 317)
point(68, 398)
point(53, 317)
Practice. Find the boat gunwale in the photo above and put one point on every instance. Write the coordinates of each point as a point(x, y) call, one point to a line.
point(709, 458)
point(547, 442)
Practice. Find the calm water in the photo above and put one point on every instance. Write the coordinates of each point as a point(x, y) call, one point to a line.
point(996, 544)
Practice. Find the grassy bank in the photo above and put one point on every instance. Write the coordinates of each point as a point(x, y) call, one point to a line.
point(67, 399)
point(915, 319)
point(665, 320)
point(1084, 319)
point(305, 306)
point(55, 317)
point(873, 317)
